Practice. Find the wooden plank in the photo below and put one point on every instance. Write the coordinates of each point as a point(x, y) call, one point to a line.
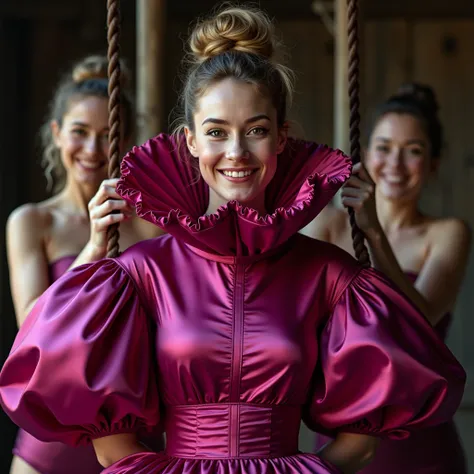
point(150, 51)
point(311, 51)
point(341, 83)
point(416, 9)
point(296, 9)
point(386, 60)
point(51, 9)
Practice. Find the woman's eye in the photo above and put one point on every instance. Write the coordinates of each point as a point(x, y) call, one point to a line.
point(382, 148)
point(416, 151)
point(259, 131)
point(79, 132)
point(215, 133)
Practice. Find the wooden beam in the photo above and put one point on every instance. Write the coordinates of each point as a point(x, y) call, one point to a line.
point(150, 81)
point(281, 9)
point(51, 9)
point(341, 97)
point(416, 9)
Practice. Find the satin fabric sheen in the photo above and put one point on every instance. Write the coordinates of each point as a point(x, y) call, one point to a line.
point(59, 458)
point(436, 450)
point(53, 457)
point(229, 330)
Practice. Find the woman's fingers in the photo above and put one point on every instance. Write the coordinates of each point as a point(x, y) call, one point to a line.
point(108, 207)
point(103, 223)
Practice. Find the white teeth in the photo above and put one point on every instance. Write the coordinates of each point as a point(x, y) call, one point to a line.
point(90, 166)
point(394, 180)
point(237, 174)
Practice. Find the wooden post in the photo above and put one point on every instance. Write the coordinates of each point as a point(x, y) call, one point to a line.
point(150, 55)
point(341, 97)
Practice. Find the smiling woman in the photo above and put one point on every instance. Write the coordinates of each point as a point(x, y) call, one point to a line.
point(78, 121)
point(47, 238)
point(237, 140)
point(426, 256)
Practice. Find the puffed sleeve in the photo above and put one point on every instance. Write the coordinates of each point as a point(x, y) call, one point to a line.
point(81, 366)
point(382, 370)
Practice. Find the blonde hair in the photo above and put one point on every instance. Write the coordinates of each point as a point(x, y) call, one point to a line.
point(87, 77)
point(237, 42)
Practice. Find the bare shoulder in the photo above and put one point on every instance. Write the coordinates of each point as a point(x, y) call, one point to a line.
point(37, 218)
point(28, 217)
point(452, 232)
point(330, 222)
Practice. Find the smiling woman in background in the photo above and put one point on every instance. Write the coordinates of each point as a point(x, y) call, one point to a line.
point(45, 239)
point(425, 256)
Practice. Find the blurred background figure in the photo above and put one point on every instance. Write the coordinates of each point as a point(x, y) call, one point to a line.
point(424, 255)
point(47, 238)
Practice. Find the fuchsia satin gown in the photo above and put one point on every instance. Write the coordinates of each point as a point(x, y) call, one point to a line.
point(54, 457)
point(229, 329)
point(435, 450)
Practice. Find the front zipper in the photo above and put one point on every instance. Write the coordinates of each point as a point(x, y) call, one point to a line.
point(237, 343)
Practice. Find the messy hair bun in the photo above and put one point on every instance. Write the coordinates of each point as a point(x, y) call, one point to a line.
point(420, 93)
point(95, 68)
point(238, 43)
point(87, 78)
point(246, 30)
point(419, 101)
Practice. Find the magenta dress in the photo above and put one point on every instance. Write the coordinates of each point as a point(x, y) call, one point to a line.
point(59, 458)
point(435, 450)
point(230, 329)
point(54, 457)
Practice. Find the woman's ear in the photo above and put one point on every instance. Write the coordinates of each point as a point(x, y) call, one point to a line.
point(282, 137)
point(55, 131)
point(191, 142)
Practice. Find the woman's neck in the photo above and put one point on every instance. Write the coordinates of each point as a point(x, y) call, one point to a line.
point(78, 196)
point(394, 215)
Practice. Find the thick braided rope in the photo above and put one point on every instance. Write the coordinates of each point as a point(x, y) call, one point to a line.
point(113, 55)
point(358, 237)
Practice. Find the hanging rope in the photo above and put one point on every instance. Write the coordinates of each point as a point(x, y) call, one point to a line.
point(113, 55)
point(358, 238)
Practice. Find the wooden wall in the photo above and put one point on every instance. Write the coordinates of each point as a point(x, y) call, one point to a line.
point(437, 51)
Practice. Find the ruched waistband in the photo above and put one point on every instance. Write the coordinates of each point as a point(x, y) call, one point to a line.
point(232, 430)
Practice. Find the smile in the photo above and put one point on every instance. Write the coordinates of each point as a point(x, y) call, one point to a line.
point(91, 166)
point(237, 174)
point(393, 180)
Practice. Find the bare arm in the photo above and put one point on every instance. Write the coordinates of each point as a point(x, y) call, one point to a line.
point(111, 449)
point(350, 452)
point(27, 260)
point(439, 282)
point(319, 228)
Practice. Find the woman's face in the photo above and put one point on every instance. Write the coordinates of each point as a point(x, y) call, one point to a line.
point(236, 140)
point(83, 140)
point(399, 156)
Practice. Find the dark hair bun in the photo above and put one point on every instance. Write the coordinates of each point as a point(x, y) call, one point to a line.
point(422, 94)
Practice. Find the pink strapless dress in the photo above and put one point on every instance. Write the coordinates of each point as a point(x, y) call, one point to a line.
point(59, 458)
point(435, 450)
